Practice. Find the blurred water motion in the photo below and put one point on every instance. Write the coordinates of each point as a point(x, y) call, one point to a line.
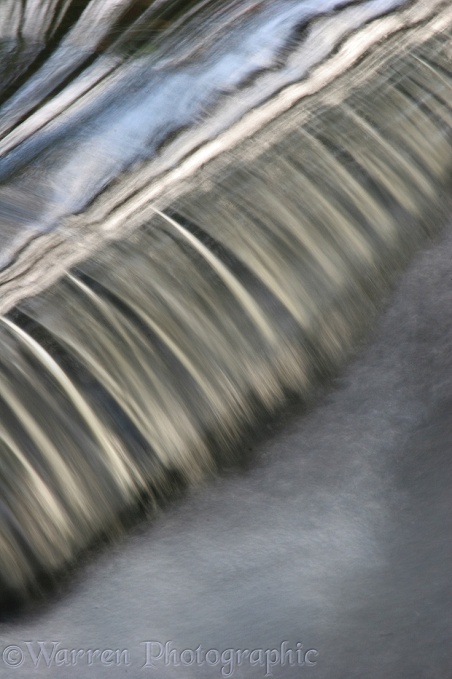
point(202, 207)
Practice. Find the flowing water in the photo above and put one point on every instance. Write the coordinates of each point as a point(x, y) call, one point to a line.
point(202, 207)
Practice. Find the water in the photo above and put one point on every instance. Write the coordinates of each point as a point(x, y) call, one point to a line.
point(118, 109)
point(232, 216)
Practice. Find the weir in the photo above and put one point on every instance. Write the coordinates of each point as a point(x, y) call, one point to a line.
point(203, 207)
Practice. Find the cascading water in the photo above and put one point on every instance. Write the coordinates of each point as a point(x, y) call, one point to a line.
point(202, 207)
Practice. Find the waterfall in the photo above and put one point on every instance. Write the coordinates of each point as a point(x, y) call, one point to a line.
point(203, 207)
